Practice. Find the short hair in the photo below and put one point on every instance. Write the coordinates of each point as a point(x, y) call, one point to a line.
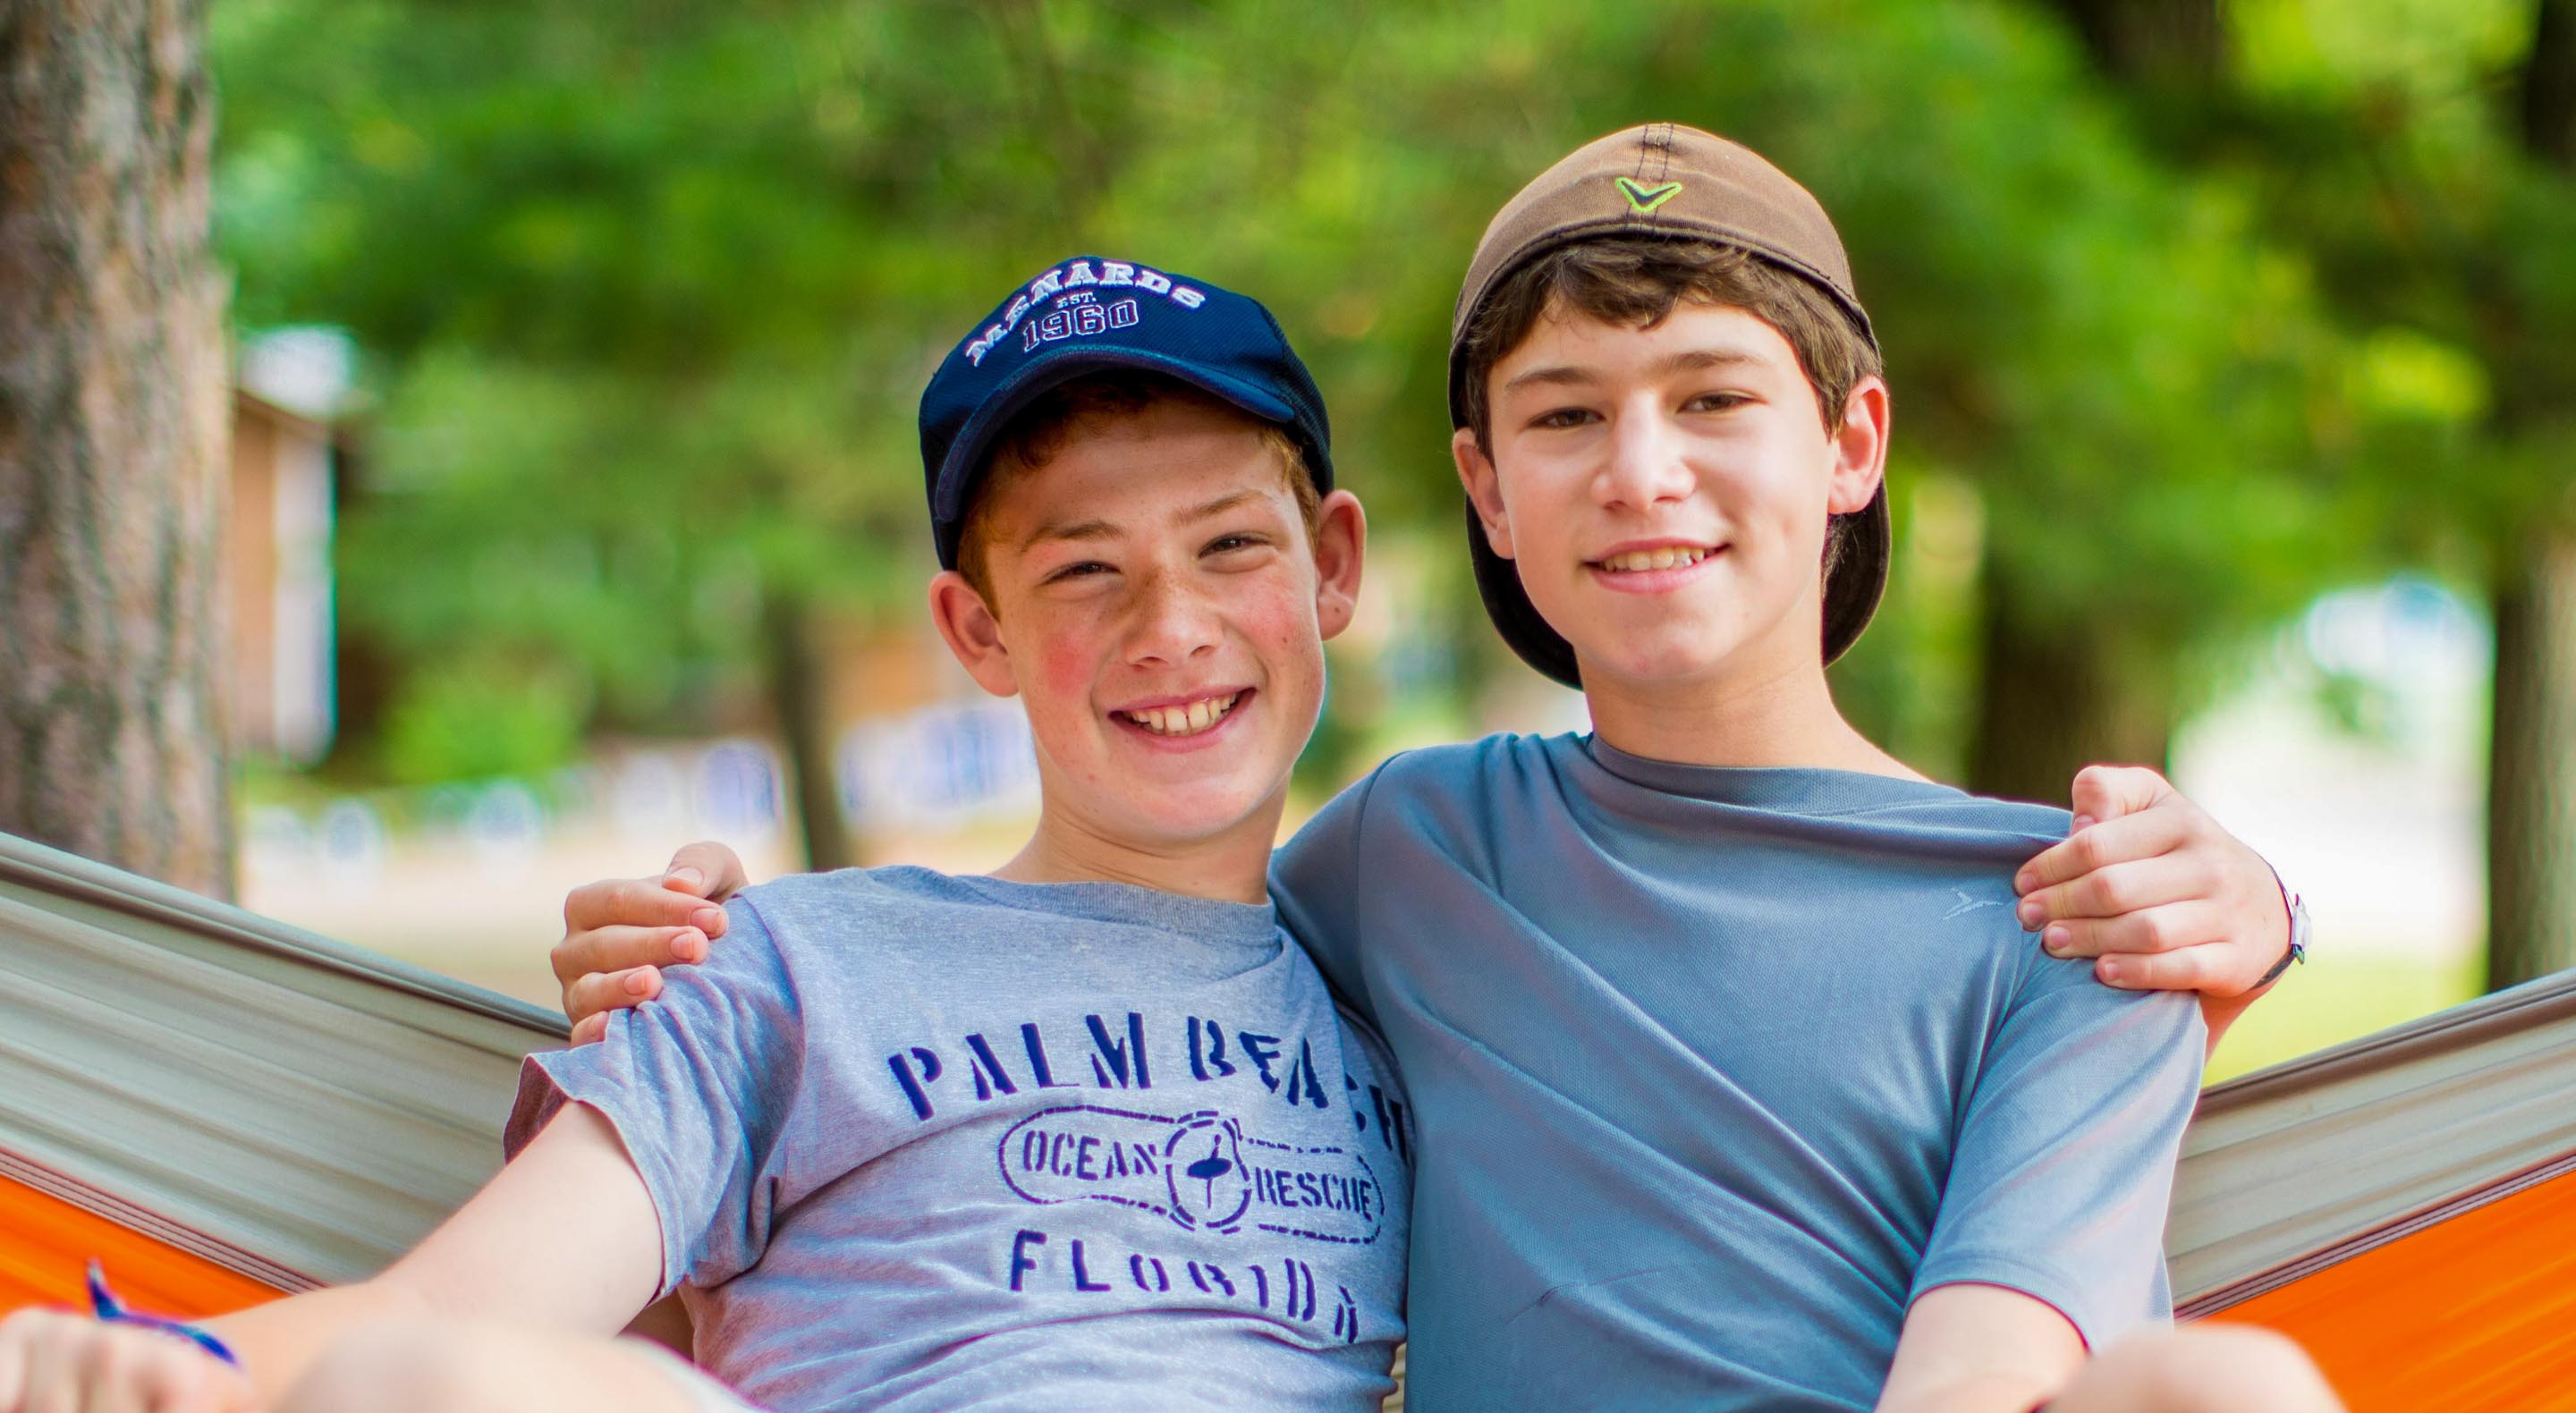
point(1038, 433)
point(1636, 281)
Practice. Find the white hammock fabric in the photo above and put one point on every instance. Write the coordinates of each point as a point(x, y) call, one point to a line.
point(2293, 1169)
point(294, 1108)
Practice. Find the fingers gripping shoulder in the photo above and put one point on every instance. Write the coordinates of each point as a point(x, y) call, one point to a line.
point(619, 933)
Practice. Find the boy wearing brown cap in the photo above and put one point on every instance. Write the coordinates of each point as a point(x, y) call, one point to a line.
point(1739, 1081)
point(1741, 1084)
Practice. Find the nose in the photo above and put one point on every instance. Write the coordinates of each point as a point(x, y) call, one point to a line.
point(1647, 465)
point(1171, 621)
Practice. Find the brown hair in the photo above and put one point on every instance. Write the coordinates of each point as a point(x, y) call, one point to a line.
point(1039, 432)
point(1636, 281)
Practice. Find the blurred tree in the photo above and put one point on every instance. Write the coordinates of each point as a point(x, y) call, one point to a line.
point(647, 294)
point(114, 414)
point(2100, 341)
point(2096, 340)
point(2444, 222)
point(2531, 778)
point(2060, 694)
point(2152, 42)
point(654, 297)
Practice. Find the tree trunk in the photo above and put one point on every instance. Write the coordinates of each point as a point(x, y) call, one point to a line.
point(796, 696)
point(2052, 701)
point(2531, 778)
point(2531, 775)
point(2549, 86)
point(2055, 699)
point(2150, 42)
point(114, 420)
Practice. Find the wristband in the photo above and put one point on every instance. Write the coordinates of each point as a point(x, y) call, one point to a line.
point(111, 1311)
point(2298, 948)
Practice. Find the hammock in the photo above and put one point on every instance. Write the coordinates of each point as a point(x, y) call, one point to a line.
point(222, 1107)
point(2404, 1205)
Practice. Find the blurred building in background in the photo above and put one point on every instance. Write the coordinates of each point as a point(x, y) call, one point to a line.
point(290, 461)
point(276, 573)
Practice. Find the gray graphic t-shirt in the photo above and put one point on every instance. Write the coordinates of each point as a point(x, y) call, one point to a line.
point(920, 1141)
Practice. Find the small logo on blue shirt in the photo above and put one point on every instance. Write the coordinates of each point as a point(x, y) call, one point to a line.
point(1969, 904)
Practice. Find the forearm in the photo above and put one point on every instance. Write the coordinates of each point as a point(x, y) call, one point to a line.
point(1976, 1391)
point(1971, 1348)
point(2217, 1013)
point(278, 1341)
point(564, 1239)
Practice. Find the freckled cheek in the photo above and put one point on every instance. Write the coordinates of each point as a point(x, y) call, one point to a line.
point(1066, 663)
point(1056, 679)
point(1283, 625)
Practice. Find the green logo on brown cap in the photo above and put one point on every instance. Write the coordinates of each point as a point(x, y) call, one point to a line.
point(1644, 199)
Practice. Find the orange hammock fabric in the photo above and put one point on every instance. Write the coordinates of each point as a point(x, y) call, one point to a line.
point(47, 1243)
point(2474, 1315)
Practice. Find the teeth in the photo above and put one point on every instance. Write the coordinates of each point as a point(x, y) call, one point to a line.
point(1188, 720)
point(1638, 561)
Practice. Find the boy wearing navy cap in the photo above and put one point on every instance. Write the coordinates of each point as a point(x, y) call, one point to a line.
point(1088, 1132)
point(1744, 1085)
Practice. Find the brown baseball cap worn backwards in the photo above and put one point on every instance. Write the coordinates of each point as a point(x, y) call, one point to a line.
point(1664, 179)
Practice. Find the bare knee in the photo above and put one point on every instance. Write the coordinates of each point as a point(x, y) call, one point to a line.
point(2247, 1367)
point(404, 1366)
point(2202, 1369)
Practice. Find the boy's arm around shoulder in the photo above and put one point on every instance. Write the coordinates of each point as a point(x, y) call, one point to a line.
point(2160, 895)
point(2050, 1235)
point(1979, 1349)
point(705, 1087)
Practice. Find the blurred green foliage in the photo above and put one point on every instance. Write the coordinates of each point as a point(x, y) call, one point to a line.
point(480, 723)
point(649, 292)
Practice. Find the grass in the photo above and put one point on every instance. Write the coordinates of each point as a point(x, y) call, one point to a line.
point(2335, 999)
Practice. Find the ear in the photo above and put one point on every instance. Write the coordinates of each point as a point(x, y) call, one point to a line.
point(1341, 542)
point(967, 624)
point(1859, 448)
point(1484, 489)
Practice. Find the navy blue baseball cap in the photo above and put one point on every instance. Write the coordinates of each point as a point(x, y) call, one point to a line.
point(1090, 315)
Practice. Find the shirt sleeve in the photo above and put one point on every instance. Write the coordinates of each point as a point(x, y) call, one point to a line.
point(2064, 1164)
point(1315, 879)
point(700, 1086)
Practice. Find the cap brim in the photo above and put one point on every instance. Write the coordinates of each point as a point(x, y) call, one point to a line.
point(1049, 370)
point(1498, 582)
point(1859, 579)
point(1851, 595)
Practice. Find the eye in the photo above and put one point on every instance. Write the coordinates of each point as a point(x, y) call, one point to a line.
point(1565, 417)
point(1081, 569)
point(1715, 402)
point(1239, 540)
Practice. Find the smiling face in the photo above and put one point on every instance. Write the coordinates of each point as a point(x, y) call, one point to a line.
point(1663, 491)
point(1155, 597)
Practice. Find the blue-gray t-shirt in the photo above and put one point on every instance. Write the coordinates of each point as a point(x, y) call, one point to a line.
point(918, 1141)
point(1716, 1070)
